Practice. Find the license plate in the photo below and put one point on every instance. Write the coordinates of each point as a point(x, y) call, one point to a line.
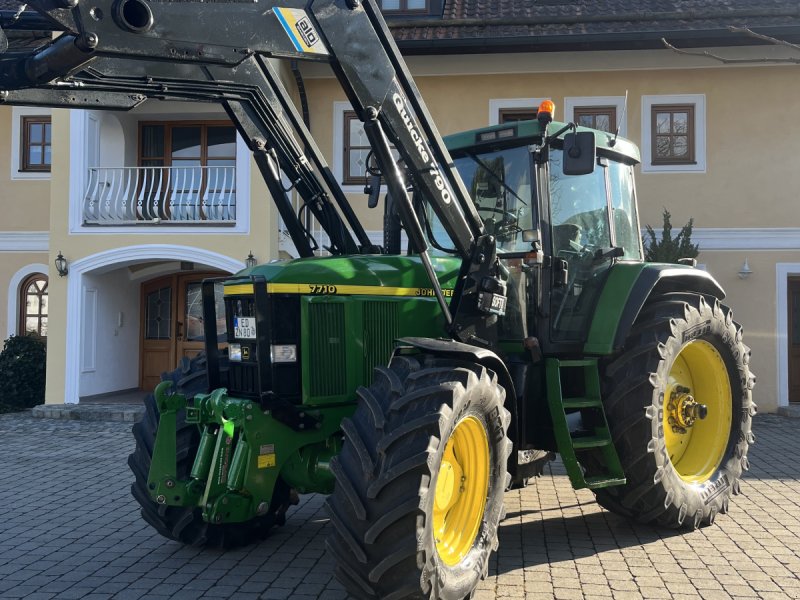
point(244, 328)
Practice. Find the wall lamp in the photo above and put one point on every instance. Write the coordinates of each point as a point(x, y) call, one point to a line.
point(61, 264)
point(745, 271)
point(250, 261)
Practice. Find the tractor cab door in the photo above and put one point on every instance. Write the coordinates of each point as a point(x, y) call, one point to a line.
point(593, 223)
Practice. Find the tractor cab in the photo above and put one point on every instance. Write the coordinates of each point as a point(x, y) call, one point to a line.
point(558, 234)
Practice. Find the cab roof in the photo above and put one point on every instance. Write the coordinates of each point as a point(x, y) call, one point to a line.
point(513, 134)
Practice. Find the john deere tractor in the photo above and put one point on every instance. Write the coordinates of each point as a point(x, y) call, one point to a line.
point(508, 314)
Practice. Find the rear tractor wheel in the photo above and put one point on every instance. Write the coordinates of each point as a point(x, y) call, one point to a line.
point(679, 406)
point(420, 481)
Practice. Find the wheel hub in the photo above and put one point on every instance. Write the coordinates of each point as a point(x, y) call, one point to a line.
point(684, 410)
point(697, 411)
point(450, 485)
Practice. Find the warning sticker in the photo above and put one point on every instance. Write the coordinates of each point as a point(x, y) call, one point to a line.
point(265, 461)
point(266, 456)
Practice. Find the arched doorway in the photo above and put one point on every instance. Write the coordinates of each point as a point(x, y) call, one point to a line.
point(91, 317)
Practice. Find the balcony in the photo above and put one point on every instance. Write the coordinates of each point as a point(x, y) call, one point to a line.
point(190, 195)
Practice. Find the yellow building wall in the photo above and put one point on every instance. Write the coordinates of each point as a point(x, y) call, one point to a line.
point(749, 181)
point(24, 204)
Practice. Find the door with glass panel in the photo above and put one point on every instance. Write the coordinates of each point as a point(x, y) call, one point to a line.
point(190, 333)
point(158, 330)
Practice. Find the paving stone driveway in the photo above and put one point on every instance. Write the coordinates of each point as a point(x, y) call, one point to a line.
point(69, 529)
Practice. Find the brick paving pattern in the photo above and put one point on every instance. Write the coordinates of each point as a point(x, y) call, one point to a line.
point(70, 529)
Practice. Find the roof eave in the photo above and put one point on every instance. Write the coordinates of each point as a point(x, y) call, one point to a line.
point(581, 42)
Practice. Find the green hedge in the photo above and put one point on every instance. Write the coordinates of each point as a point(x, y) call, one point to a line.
point(22, 372)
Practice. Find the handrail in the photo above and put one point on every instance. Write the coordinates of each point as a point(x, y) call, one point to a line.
point(153, 195)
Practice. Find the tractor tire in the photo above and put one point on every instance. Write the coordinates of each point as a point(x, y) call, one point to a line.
point(420, 481)
point(185, 524)
point(679, 405)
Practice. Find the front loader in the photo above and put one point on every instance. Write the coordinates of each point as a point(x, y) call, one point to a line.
point(507, 315)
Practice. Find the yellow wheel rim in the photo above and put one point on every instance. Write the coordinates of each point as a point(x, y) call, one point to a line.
point(461, 488)
point(698, 410)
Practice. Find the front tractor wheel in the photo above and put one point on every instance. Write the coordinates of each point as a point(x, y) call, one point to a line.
point(420, 481)
point(678, 402)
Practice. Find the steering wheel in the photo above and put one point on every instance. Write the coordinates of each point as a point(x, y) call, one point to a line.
point(507, 216)
point(577, 253)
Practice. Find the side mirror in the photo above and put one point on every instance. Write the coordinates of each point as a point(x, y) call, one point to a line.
point(579, 153)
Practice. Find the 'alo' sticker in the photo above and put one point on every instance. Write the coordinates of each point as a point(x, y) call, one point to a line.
point(300, 30)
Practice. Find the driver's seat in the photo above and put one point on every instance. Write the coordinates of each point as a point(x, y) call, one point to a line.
point(567, 237)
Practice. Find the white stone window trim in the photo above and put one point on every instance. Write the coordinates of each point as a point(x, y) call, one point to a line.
point(17, 113)
point(12, 323)
point(699, 102)
point(618, 102)
point(498, 104)
point(78, 171)
point(782, 273)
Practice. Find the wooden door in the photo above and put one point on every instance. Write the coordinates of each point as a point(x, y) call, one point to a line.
point(172, 323)
point(794, 340)
point(158, 331)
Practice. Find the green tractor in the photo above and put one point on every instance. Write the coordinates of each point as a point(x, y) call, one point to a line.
point(417, 381)
point(634, 373)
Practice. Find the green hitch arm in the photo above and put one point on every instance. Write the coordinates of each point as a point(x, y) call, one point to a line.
point(162, 480)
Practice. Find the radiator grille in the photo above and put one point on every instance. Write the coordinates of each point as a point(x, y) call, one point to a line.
point(380, 331)
point(328, 351)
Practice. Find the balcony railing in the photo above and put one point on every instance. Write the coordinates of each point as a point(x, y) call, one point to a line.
point(147, 195)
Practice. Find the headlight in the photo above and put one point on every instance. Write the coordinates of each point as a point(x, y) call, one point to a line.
point(283, 353)
point(235, 352)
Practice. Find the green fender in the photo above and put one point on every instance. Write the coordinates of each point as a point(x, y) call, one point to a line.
point(626, 290)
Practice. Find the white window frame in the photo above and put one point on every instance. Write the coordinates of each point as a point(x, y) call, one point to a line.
point(699, 102)
point(498, 104)
point(618, 102)
point(17, 112)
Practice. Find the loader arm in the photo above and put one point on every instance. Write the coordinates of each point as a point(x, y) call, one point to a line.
point(116, 53)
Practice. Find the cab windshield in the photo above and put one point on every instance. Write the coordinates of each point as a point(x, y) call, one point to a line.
point(500, 185)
